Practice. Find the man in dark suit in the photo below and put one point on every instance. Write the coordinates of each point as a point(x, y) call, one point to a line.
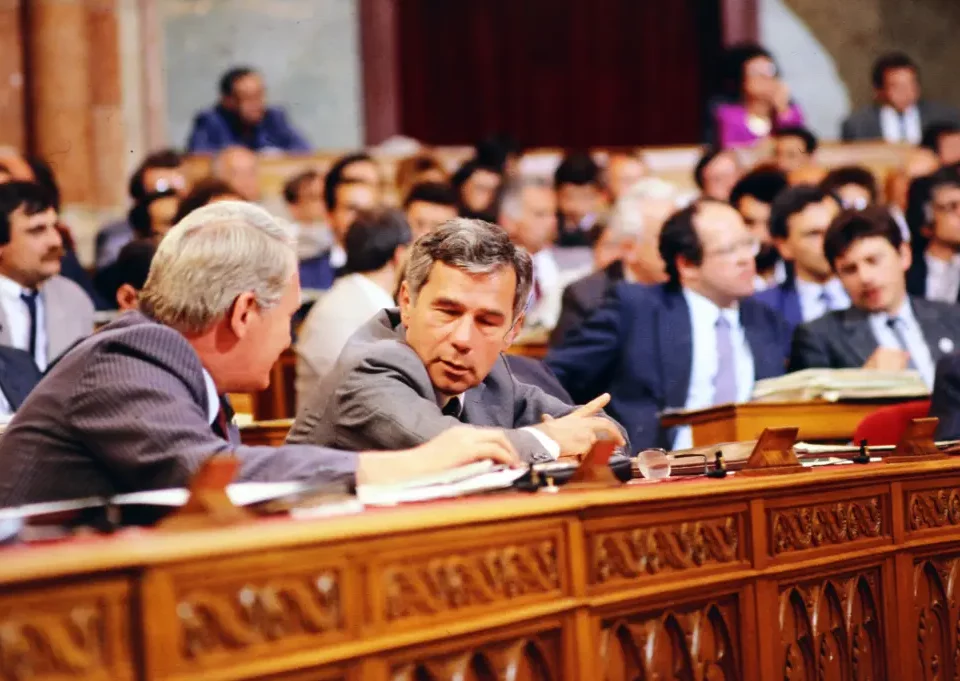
point(934, 273)
point(884, 328)
point(898, 114)
point(696, 341)
point(412, 373)
point(799, 218)
point(945, 401)
point(141, 404)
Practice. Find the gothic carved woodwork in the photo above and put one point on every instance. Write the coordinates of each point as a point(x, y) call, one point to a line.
point(800, 528)
point(78, 633)
point(832, 629)
point(937, 612)
point(535, 658)
point(687, 643)
point(446, 583)
point(933, 508)
point(630, 554)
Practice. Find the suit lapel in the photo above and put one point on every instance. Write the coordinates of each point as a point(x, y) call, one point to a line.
point(939, 336)
point(675, 337)
point(857, 336)
point(791, 305)
point(767, 353)
point(475, 412)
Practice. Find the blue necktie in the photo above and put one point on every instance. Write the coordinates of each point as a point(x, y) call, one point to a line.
point(725, 381)
point(895, 324)
point(826, 299)
point(30, 299)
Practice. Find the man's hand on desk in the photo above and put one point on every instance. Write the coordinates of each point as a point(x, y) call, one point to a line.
point(578, 431)
point(888, 359)
point(454, 447)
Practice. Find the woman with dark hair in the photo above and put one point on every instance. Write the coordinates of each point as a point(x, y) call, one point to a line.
point(763, 100)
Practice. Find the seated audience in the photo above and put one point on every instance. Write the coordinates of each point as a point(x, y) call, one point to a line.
point(356, 167)
point(793, 148)
point(763, 103)
point(141, 404)
point(204, 192)
point(40, 311)
point(716, 173)
point(622, 172)
point(884, 328)
point(240, 168)
point(500, 151)
point(428, 205)
point(752, 197)
point(943, 139)
point(242, 118)
point(695, 341)
point(799, 219)
point(579, 195)
point(153, 215)
point(529, 214)
point(376, 244)
point(855, 186)
point(478, 189)
point(412, 373)
point(420, 169)
point(303, 194)
point(897, 113)
point(161, 171)
point(634, 234)
point(123, 280)
point(935, 271)
point(945, 400)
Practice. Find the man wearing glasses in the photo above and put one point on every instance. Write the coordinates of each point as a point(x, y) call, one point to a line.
point(935, 273)
point(698, 340)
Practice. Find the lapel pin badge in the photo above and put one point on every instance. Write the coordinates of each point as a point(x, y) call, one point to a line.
point(946, 345)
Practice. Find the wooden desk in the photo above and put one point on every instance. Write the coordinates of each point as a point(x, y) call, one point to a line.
point(270, 433)
point(842, 573)
point(818, 421)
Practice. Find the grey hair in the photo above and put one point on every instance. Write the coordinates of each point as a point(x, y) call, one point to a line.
point(626, 217)
point(474, 246)
point(212, 256)
point(511, 205)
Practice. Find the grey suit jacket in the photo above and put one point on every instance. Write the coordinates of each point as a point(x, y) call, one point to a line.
point(126, 411)
point(68, 311)
point(844, 339)
point(864, 123)
point(379, 396)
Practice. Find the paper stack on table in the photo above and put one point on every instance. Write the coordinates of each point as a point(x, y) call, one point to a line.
point(840, 384)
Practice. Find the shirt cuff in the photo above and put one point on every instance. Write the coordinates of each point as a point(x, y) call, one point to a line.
point(547, 442)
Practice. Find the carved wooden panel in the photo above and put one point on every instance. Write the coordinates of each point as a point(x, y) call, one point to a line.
point(685, 643)
point(650, 550)
point(937, 617)
point(73, 632)
point(832, 628)
point(929, 509)
point(799, 528)
point(495, 571)
point(229, 611)
point(529, 658)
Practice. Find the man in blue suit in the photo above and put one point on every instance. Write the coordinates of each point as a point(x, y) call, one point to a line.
point(799, 218)
point(695, 341)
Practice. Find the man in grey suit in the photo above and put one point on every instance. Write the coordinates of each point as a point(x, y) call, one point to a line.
point(898, 114)
point(884, 328)
point(409, 374)
point(140, 405)
point(40, 311)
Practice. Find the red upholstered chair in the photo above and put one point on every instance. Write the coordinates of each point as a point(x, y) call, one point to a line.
point(886, 424)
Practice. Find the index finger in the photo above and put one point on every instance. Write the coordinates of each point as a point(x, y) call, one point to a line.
point(607, 427)
point(593, 406)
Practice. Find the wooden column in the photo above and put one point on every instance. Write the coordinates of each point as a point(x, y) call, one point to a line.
point(741, 21)
point(379, 56)
point(58, 50)
point(13, 124)
point(107, 128)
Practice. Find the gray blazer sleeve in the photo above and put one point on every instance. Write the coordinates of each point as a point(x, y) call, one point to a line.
point(145, 425)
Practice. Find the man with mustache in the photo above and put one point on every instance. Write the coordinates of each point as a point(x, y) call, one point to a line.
point(884, 328)
point(414, 372)
point(40, 311)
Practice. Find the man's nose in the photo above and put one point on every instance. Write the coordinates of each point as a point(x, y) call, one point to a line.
point(461, 334)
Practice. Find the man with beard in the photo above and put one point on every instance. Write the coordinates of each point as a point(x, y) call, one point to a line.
point(40, 311)
point(884, 328)
point(752, 196)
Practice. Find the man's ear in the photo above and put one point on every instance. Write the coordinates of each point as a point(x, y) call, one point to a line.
point(783, 247)
point(513, 331)
point(242, 313)
point(127, 298)
point(906, 256)
point(403, 300)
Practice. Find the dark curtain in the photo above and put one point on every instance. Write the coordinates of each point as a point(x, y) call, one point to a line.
point(569, 73)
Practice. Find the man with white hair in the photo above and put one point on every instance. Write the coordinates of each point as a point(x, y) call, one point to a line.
point(140, 405)
point(632, 238)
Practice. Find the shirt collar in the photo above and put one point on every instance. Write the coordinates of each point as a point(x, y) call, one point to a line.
point(941, 265)
point(213, 397)
point(701, 306)
point(904, 314)
point(338, 256)
point(10, 288)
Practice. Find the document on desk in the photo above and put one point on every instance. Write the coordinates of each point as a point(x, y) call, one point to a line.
point(482, 476)
point(838, 384)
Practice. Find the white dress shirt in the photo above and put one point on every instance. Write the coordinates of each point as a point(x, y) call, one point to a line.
point(703, 323)
point(916, 344)
point(338, 256)
point(547, 442)
point(892, 125)
point(545, 311)
point(779, 276)
point(943, 278)
point(18, 320)
point(812, 304)
point(213, 397)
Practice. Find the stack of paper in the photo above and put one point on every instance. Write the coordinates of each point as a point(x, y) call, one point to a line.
point(482, 476)
point(839, 384)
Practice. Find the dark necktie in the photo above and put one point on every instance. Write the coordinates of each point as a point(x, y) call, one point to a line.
point(896, 325)
point(902, 115)
point(30, 300)
point(221, 424)
point(452, 408)
point(725, 381)
point(826, 299)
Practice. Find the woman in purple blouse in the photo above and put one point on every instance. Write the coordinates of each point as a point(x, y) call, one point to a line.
point(764, 101)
